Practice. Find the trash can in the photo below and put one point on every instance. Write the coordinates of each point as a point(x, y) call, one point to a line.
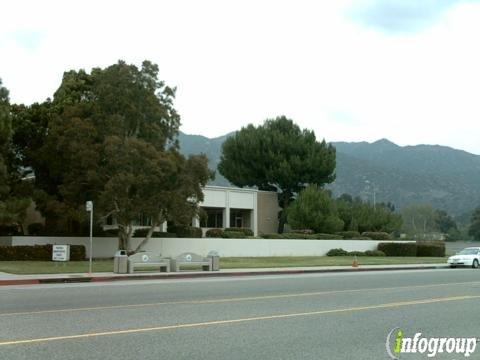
point(215, 259)
point(120, 262)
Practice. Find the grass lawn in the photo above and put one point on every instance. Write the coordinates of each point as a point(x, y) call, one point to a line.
point(49, 267)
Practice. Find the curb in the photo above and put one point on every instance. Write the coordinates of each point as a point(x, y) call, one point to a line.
point(169, 276)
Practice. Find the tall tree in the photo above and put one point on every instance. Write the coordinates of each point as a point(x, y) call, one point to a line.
point(419, 219)
point(12, 202)
point(444, 222)
point(362, 216)
point(277, 156)
point(108, 136)
point(474, 229)
point(314, 209)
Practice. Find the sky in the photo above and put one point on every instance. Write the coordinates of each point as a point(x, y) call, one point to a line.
point(351, 70)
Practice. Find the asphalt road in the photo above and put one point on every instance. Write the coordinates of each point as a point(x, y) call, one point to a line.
point(321, 316)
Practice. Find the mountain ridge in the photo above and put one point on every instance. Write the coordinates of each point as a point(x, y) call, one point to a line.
point(442, 176)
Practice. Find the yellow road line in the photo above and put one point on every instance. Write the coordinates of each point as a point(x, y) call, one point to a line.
point(241, 320)
point(227, 300)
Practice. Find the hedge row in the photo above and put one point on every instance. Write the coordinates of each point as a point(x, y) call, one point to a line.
point(341, 252)
point(156, 234)
point(38, 252)
point(294, 235)
point(229, 233)
point(430, 249)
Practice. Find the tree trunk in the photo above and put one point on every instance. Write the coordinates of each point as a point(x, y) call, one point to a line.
point(124, 236)
point(147, 238)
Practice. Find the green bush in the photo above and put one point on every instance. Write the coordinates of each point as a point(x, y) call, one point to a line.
point(185, 231)
point(327, 237)
point(245, 231)
point(295, 235)
point(272, 236)
point(431, 248)
point(356, 253)
point(374, 253)
point(341, 252)
point(348, 234)
point(233, 235)
point(214, 233)
point(141, 233)
point(376, 235)
point(398, 249)
point(38, 253)
point(337, 252)
point(10, 230)
point(112, 233)
point(37, 229)
point(302, 231)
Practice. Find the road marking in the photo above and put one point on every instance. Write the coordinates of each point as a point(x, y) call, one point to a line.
point(227, 300)
point(241, 320)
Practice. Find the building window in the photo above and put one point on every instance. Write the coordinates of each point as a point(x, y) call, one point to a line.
point(213, 219)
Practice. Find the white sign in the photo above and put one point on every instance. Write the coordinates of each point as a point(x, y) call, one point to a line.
point(61, 253)
point(89, 205)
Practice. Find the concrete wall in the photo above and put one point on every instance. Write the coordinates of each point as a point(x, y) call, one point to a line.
point(106, 247)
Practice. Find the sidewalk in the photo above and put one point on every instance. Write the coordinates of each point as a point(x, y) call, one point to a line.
point(13, 279)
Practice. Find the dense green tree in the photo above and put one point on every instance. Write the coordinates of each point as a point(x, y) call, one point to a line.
point(361, 216)
point(13, 203)
point(419, 219)
point(444, 222)
point(277, 156)
point(314, 209)
point(474, 229)
point(108, 136)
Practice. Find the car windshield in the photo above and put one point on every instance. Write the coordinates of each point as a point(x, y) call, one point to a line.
point(468, 252)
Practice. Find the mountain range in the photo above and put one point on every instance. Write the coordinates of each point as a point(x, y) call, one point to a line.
point(446, 178)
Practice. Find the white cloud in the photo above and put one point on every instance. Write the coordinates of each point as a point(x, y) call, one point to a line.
point(243, 61)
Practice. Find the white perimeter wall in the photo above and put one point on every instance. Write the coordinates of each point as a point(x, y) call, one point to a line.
point(171, 247)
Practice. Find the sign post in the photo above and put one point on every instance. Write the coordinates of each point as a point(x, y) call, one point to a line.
point(61, 253)
point(89, 207)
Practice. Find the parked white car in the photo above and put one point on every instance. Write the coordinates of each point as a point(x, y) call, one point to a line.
point(467, 257)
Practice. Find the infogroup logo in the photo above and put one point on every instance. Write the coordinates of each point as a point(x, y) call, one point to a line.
point(398, 344)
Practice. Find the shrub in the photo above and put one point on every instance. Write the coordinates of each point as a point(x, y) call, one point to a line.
point(38, 252)
point(36, 229)
point(348, 234)
point(302, 231)
point(245, 231)
point(112, 233)
point(337, 252)
point(272, 236)
point(156, 234)
point(327, 237)
point(10, 230)
point(140, 232)
point(294, 235)
point(233, 235)
point(431, 248)
point(376, 235)
point(374, 253)
point(356, 253)
point(214, 233)
point(185, 231)
point(398, 249)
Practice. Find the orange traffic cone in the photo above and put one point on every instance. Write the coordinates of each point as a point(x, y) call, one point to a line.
point(355, 262)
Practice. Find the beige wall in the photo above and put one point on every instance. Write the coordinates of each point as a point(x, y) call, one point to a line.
point(171, 247)
point(267, 214)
